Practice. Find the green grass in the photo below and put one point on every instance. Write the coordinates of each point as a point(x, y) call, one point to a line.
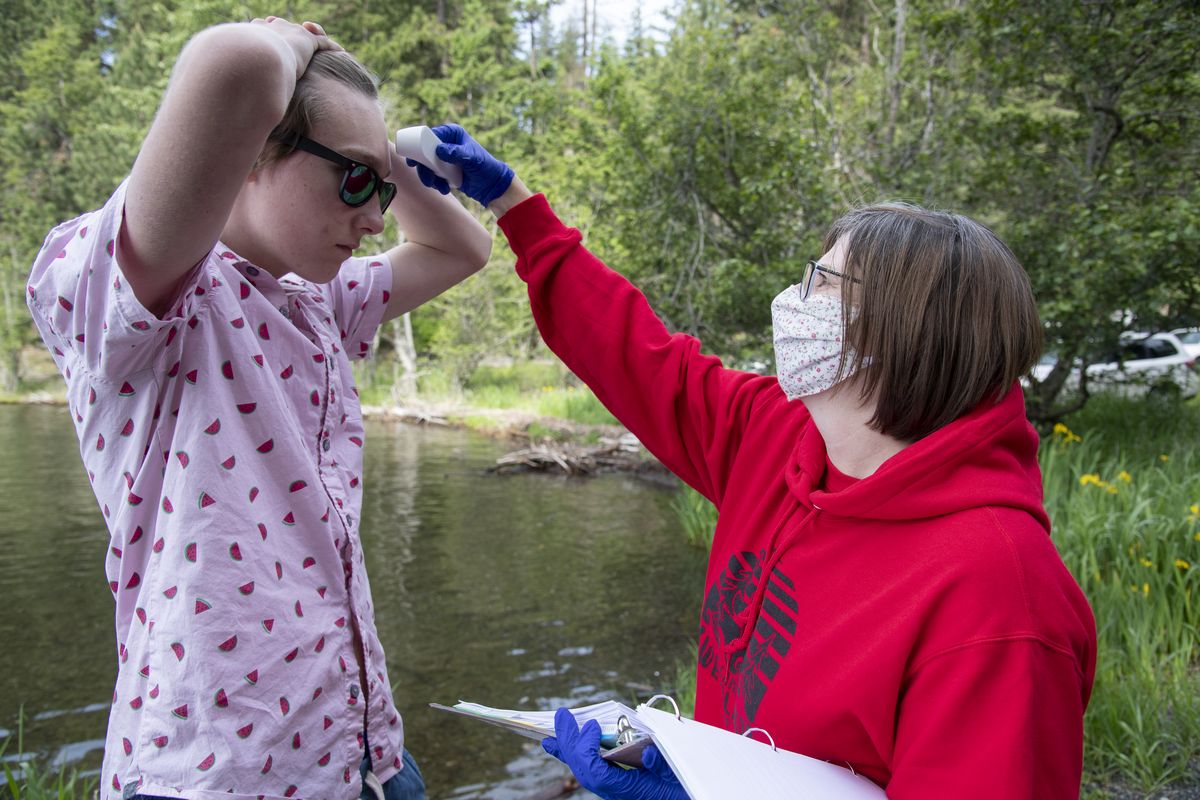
point(1123, 490)
point(697, 516)
point(543, 388)
point(1122, 481)
point(31, 780)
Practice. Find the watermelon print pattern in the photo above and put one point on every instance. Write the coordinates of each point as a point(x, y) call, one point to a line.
point(223, 443)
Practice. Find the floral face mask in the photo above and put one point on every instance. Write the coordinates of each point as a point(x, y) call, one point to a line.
point(808, 341)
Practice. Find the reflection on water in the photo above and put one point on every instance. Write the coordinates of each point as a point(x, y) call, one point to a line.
point(515, 591)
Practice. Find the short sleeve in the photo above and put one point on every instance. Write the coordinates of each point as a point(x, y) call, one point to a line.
point(360, 295)
point(82, 304)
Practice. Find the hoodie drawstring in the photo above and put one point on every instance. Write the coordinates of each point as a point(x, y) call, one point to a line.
point(747, 618)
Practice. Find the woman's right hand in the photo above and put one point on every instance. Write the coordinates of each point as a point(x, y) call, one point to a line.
point(485, 177)
point(302, 40)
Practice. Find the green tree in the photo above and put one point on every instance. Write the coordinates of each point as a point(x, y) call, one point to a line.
point(44, 121)
point(1093, 163)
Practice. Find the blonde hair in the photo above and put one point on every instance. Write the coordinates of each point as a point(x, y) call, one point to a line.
point(308, 100)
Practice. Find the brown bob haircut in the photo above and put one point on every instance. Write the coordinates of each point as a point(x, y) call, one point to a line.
point(945, 316)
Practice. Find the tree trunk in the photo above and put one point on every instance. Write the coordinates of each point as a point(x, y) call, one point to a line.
point(13, 321)
point(405, 385)
point(894, 84)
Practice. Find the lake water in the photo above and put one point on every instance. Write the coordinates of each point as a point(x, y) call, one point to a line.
point(519, 591)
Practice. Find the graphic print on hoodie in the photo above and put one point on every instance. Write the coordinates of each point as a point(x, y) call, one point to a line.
point(746, 675)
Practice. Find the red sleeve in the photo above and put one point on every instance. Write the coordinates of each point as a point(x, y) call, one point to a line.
point(684, 406)
point(999, 719)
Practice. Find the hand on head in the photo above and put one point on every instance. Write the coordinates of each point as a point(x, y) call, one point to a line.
point(484, 176)
point(303, 39)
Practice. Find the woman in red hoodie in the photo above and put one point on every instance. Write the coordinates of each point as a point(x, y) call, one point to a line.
point(882, 591)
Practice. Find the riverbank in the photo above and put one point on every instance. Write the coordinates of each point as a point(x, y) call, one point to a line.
point(540, 442)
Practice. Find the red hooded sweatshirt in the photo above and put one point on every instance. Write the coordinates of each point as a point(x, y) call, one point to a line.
point(917, 625)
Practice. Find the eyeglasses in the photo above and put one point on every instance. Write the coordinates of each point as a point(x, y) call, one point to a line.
point(810, 277)
point(359, 182)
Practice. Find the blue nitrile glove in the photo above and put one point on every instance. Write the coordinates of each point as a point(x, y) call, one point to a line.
point(484, 177)
point(579, 749)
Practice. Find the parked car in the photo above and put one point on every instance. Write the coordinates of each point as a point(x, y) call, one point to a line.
point(1156, 364)
point(1191, 340)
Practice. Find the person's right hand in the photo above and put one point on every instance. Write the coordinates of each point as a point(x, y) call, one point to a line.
point(303, 40)
point(484, 176)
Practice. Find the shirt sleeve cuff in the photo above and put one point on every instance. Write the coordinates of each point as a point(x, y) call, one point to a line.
point(529, 223)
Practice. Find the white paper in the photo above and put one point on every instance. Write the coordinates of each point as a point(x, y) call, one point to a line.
point(715, 764)
point(540, 724)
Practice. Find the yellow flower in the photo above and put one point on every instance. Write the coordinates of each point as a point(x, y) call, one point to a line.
point(1164, 458)
point(1125, 476)
point(1147, 562)
point(1197, 537)
point(1179, 562)
point(1061, 429)
point(1091, 477)
point(1194, 508)
point(1108, 487)
point(1146, 589)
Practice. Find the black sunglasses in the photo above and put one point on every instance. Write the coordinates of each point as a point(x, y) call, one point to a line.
point(359, 181)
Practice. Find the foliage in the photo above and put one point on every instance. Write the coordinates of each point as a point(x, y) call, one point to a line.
point(1124, 505)
point(1093, 115)
point(696, 515)
point(34, 781)
point(706, 163)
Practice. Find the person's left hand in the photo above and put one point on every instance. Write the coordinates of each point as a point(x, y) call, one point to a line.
point(579, 749)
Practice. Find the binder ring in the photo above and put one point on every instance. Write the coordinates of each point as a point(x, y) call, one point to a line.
point(770, 738)
point(625, 731)
point(650, 702)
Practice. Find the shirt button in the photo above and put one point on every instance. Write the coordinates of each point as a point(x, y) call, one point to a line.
point(325, 444)
point(284, 310)
point(354, 690)
point(350, 519)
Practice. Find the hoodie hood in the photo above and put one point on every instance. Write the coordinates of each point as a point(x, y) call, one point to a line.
point(987, 457)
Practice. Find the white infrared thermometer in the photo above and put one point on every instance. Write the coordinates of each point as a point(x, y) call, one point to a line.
point(420, 144)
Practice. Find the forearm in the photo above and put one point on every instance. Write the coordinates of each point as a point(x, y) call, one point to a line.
point(438, 222)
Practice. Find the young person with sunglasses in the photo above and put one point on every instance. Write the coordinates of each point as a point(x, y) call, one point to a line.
point(205, 319)
point(882, 591)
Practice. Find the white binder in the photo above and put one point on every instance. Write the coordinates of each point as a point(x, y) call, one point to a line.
point(711, 763)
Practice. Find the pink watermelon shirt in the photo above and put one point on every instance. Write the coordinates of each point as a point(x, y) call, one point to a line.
point(224, 445)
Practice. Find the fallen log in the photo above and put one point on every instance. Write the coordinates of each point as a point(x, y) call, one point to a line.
point(619, 454)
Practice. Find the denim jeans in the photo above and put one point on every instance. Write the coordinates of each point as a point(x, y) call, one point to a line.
point(407, 784)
